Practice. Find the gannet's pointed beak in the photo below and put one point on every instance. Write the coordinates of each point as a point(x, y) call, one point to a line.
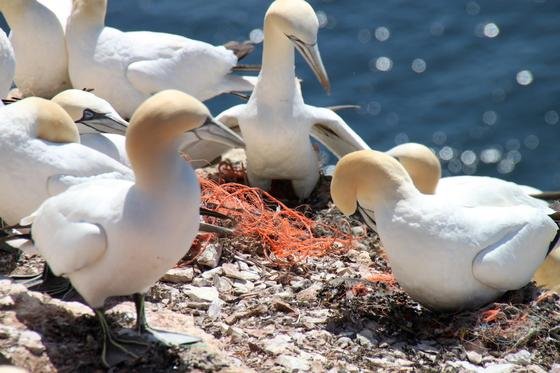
point(103, 122)
point(312, 56)
point(214, 131)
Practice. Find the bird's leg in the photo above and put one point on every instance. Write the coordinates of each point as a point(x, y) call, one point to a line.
point(164, 337)
point(116, 350)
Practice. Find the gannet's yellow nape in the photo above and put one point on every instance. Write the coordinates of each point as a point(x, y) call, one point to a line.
point(366, 177)
point(421, 164)
point(297, 20)
point(52, 122)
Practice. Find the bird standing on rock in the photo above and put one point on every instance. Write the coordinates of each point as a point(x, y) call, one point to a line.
point(116, 237)
point(446, 256)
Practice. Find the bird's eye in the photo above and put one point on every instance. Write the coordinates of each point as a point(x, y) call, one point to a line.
point(88, 114)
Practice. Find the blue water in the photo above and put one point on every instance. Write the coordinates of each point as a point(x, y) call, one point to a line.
point(486, 90)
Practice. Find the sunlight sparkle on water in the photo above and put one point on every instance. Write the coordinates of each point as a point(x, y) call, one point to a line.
point(256, 36)
point(524, 77)
point(491, 30)
point(439, 137)
point(446, 153)
point(491, 155)
point(551, 117)
point(382, 33)
point(468, 157)
point(419, 65)
point(490, 117)
point(383, 64)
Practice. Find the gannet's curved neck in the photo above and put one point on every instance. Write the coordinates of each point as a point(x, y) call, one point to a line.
point(277, 77)
point(155, 160)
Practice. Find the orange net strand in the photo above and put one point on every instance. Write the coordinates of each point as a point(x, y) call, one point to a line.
point(287, 233)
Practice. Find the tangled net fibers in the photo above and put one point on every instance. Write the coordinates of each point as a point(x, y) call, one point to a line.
point(284, 232)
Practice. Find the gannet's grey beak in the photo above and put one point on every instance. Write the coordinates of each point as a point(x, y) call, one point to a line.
point(312, 56)
point(103, 122)
point(214, 131)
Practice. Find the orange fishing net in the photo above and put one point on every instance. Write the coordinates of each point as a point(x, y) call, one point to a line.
point(288, 234)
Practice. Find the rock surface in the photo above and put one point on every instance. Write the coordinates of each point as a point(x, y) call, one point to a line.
point(334, 313)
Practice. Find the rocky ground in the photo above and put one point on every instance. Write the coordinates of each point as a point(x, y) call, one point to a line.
point(341, 312)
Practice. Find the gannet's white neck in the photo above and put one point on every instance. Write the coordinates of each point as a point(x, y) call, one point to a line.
point(277, 77)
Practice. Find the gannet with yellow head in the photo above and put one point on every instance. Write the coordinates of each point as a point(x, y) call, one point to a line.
point(275, 123)
point(41, 156)
point(445, 255)
point(114, 238)
point(425, 170)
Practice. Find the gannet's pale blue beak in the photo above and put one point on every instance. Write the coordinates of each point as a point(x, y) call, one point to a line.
point(103, 122)
point(312, 56)
point(214, 131)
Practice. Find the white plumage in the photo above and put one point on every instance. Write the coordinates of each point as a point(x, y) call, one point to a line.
point(276, 124)
point(125, 68)
point(41, 156)
point(444, 255)
point(7, 65)
point(40, 49)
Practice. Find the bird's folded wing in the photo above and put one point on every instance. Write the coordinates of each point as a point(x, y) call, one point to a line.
point(176, 63)
point(66, 245)
point(57, 184)
point(331, 131)
point(511, 256)
point(201, 152)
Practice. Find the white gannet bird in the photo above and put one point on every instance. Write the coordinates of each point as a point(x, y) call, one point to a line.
point(94, 231)
point(446, 256)
point(102, 128)
point(425, 170)
point(40, 49)
point(41, 155)
point(276, 123)
point(7, 65)
point(125, 68)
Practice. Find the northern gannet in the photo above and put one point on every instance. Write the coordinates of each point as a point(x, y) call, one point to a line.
point(445, 255)
point(93, 115)
point(114, 238)
point(7, 65)
point(425, 170)
point(40, 49)
point(41, 156)
point(276, 123)
point(127, 67)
